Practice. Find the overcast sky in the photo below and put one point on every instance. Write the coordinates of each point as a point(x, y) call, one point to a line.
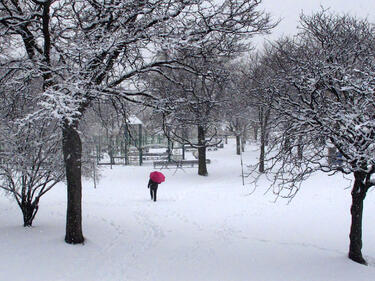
point(289, 10)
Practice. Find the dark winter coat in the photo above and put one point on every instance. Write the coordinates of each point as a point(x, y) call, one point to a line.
point(152, 184)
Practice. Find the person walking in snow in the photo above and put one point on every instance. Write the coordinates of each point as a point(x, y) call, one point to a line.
point(153, 186)
point(155, 179)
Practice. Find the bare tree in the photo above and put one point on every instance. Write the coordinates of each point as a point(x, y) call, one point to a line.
point(191, 98)
point(252, 92)
point(328, 100)
point(30, 164)
point(238, 111)
point(264, 85)
point(30, 157)
point(86, 50)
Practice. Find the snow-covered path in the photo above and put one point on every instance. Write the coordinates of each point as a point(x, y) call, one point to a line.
point(201, 228)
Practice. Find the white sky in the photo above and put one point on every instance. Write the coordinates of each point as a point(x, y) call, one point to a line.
point(289, 10)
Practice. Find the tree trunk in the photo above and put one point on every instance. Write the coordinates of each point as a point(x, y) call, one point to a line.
point(264, 136)
point(238, 145)
point(287, 144)
point(72, 149)
point(255, 127)
point(358, 196)
point(202, 166)
point(169, 149)
point(300, 148)
point(28, 211)
point(262, 150)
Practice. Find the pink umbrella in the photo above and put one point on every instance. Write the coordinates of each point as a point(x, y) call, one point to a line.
point(157, 177)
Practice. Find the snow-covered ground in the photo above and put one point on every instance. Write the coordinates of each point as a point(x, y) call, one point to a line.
point(201, 228)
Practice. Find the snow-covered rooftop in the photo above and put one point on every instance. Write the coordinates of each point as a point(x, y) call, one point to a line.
point(134, 120)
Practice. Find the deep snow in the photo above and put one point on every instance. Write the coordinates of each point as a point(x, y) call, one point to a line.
point(201, 228)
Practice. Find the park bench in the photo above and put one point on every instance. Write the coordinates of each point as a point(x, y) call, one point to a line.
point(178, 164)
point(154, 156)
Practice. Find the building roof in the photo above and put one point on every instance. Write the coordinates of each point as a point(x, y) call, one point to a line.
point(133, 120)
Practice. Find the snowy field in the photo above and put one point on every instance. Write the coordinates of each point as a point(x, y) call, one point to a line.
point(201, 228)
